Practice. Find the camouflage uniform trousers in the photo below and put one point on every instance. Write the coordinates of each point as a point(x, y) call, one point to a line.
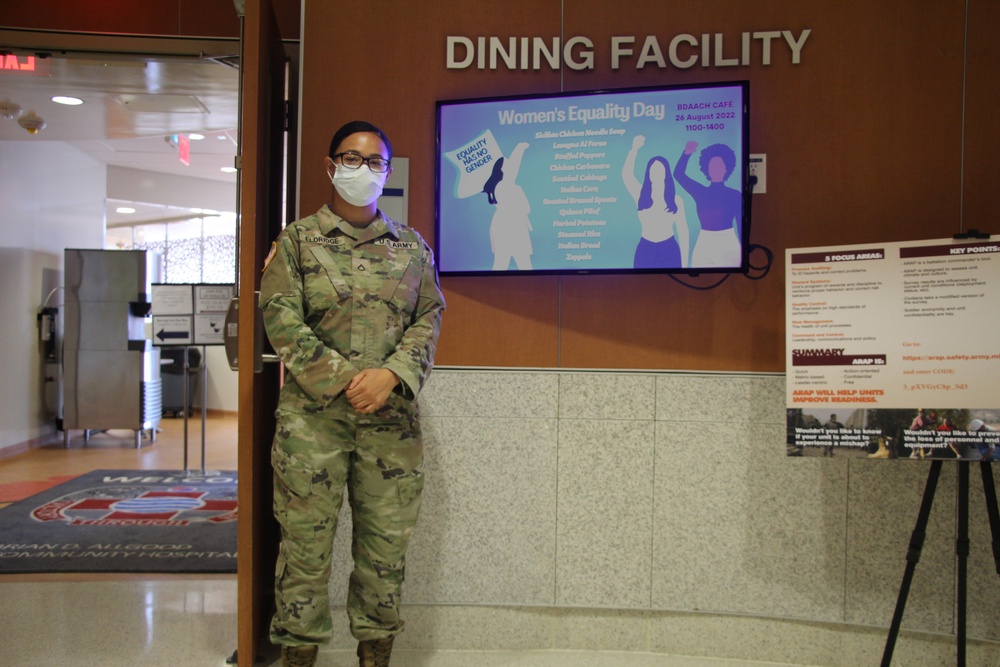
point(314, 459)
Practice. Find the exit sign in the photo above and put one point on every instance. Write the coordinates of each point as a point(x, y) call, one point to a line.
point(25, 64)
point(184, 149)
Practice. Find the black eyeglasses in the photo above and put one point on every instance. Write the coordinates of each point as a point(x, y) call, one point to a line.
point(352, 160)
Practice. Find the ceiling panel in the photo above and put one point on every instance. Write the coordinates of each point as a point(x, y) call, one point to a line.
point(130, 109)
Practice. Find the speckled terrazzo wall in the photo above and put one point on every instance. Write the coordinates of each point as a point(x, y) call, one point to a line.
point(670, 492)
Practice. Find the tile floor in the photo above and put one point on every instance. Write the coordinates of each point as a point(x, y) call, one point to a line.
point(191, 622)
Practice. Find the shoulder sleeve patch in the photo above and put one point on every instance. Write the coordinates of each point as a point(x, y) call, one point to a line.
point(270, 255)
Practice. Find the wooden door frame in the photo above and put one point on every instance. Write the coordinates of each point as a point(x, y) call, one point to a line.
point(263, 114)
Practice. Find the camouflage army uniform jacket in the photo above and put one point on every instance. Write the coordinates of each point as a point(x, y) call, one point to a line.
point(337, 299)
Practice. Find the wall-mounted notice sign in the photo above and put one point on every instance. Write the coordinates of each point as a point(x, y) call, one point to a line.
point(892, 350)
point(189, 314)
point(172, 300)
point(212, 298)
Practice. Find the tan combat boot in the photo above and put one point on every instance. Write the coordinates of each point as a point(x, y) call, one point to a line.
point(299, 656)
point(883, 451)
point(374, 652)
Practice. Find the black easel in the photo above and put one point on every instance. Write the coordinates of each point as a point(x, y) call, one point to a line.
point(961, 548)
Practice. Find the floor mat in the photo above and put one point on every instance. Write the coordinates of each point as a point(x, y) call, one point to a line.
point(154, 521)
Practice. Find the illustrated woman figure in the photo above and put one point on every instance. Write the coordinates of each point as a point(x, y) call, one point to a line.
point(719, 206)
point(664, 240)
point(510, 228)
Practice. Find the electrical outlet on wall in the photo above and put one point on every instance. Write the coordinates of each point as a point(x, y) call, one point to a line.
point(758, 168)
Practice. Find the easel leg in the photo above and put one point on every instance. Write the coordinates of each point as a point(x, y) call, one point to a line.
point(912, 557)
point(962, 551)
point(989, 489)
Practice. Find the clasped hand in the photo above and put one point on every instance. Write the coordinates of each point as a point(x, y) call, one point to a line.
point(369, 389)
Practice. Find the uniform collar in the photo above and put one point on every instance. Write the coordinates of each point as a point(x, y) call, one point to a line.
point(380, 226)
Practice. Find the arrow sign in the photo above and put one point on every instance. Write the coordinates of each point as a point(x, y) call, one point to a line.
point(164, 335)
point(171, 330)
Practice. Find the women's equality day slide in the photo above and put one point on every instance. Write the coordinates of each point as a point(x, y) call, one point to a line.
point(892, 349)
point(536, 183)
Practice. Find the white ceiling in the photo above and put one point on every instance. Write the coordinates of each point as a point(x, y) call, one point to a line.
point(131, 107)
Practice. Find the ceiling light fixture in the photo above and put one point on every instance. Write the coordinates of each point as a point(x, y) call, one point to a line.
point(9, 110)
point(67, 100)
point(124, 209)
point(31, 122)
point(194, 136)
point(228, 170)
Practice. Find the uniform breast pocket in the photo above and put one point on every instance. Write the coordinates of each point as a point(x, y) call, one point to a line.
point(322, 283)
point(402, 294)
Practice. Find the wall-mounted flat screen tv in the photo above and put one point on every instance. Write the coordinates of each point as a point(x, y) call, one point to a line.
point(612, 181)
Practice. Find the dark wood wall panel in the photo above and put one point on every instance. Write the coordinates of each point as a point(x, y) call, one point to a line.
point(217, 18)
point(863, 139)
point(202, 18)
point(489, 323)
point(651, 322)
point(981, 195)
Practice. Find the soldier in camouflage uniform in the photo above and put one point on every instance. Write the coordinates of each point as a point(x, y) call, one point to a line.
point(352, 306)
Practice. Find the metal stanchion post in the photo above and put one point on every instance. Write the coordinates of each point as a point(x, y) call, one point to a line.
point(184, 406)
point(204, 403)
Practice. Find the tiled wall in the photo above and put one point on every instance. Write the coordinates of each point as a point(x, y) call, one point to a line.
point(670, 492)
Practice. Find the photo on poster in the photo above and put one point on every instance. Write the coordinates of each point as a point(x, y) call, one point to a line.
point(889, 433)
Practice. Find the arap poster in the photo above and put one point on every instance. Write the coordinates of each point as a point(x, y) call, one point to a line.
point(892, 350)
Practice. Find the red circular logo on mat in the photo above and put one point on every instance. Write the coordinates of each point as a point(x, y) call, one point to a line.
point(137, 504)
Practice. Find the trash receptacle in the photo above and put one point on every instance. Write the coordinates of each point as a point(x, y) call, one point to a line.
point(172, 377)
